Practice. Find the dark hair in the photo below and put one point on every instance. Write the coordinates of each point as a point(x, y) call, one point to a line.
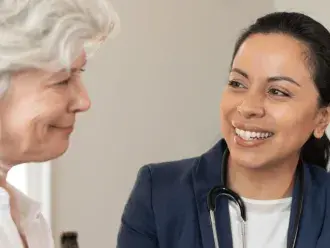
point(317, 40)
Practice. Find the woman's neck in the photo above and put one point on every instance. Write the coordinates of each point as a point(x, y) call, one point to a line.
point(14, 210)
point(267, 183)
point(3, 175)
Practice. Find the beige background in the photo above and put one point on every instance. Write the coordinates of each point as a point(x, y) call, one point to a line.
point(155, 91)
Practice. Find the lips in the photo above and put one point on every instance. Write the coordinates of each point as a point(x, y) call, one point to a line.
point(250, 127)
point(67, 127)
point(63, 128)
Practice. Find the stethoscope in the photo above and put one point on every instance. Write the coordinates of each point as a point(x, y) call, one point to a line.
point(223, 191)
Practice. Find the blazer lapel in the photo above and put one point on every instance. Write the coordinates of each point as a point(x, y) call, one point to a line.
point(314, 209)
point(206, 175)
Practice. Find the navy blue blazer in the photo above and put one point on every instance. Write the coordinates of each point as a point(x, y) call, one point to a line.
point(167, 207)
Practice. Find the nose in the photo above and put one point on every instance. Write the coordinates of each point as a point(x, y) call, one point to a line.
point(80, 99)
point(251, 107)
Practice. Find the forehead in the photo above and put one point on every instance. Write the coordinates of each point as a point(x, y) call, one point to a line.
point(78, 63)
point(273, 54)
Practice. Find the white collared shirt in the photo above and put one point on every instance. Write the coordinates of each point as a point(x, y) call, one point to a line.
point(33, 223)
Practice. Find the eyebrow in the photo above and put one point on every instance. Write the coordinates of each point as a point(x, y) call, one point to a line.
point(270, 79)
point(72, 70)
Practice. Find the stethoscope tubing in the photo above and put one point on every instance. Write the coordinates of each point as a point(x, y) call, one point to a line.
point(222, 191)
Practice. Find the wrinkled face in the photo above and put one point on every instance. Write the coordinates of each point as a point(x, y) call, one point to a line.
point(38, 113)
point(270, 106)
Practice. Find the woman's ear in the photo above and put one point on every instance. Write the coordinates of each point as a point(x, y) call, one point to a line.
point(322, 123)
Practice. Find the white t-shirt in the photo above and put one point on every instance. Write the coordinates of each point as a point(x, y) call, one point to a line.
point(267, 223)
point(33, 223)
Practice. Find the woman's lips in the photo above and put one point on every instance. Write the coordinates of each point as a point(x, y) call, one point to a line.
point(250, 143)
point(68, 129)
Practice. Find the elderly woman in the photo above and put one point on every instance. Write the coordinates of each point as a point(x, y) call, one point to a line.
point(42, 54)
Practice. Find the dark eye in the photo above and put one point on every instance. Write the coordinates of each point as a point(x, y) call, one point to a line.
point(235, 84)
point(65, 82)
point(277, 92)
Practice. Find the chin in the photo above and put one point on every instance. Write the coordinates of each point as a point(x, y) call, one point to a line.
point(52, 153)
point(47, 157)
point(57, 155)
point(248, 163)
point(249, 158)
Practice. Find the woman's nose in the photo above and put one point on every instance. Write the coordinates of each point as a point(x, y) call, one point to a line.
point(80, 99)
point(251, 106)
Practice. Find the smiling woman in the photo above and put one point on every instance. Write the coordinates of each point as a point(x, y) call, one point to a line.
point(44, 47)
point(265, 183)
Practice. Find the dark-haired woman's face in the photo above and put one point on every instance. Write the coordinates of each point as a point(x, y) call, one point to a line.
point(269, 107)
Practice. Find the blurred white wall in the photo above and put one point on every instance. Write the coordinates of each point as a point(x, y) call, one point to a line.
point(155, 91)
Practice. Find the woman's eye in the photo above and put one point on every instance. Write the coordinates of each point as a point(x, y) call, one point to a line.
point(236, 84)
point(277, 92)
point(64, 82)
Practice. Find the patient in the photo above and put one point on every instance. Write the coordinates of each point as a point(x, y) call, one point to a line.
point(42, 54)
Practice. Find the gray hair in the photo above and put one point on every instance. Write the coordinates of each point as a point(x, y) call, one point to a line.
point(50, 34)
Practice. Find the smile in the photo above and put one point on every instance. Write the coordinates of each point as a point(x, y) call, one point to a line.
point(65, 129)
point(252, 135)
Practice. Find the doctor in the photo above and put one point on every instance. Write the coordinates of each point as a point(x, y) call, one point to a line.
point(274, 113)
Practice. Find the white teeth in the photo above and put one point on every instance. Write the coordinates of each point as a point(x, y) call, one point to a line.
point(247, 135)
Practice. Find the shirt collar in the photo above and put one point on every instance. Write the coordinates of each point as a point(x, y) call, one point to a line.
point(28, 208)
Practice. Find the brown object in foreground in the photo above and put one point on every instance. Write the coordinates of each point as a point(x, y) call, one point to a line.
point(69, 240)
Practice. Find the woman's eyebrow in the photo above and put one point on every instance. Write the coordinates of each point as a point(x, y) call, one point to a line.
point(270, 79)
point(74, 69)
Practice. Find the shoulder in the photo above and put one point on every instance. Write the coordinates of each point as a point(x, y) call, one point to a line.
point(33, 222)
point(166, 181)
point(320, 179)
point(321, 184)
point(26, 206)
point(319, 176)
point(161, 177)
point(150, 198)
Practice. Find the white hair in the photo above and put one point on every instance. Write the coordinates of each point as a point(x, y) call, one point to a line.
point(50, 34)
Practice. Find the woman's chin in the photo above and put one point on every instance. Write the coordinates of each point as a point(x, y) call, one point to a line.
point(249, 160)
point(51, 154)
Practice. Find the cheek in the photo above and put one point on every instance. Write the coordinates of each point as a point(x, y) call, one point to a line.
point(24, 119)
point(228, 107)
point(226, 104)
point(293, 125)
point(293, 118)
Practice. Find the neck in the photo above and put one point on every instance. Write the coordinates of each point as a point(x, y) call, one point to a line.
point(14, 210)
point(3, 174)
point(267, 183)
